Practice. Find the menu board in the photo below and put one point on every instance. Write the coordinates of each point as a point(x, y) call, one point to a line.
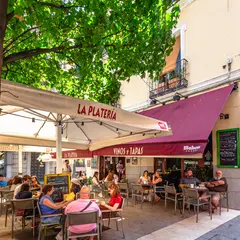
point(228, 147)
point(61, 183)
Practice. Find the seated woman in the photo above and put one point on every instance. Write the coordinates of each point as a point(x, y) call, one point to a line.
point(16, 181)
point(48, 207)
point(35, 183)
point(115, 201)
point(24, 192)
point(157, 180)
point(96, 184)
point(75, 186)
point(145, 179)
point(111, 177)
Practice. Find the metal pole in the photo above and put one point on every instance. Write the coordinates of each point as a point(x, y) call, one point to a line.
point(59, 163)
point(20, 160)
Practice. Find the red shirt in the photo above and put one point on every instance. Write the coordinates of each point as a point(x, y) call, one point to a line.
point(117, 199)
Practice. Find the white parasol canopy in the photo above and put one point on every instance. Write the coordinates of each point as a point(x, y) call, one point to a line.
point(31, 116)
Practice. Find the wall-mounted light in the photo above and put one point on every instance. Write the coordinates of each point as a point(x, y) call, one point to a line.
point(235, 86)
point(224, 116)
point(33, 120)
point(82, 124)
point(177, 96)
point(154, 101)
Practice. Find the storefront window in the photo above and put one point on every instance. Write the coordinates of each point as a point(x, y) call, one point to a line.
point(190, 164)
point(173, 164)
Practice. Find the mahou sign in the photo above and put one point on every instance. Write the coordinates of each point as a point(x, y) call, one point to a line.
point(96, 112)
point(128, 151)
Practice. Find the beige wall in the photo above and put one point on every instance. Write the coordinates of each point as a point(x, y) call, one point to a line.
point(133, 172)
point(232, 108)
point(133, 92)
point(212, 35)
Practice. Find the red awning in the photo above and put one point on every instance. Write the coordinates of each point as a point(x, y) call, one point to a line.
point(192, 121)
point(75, 154)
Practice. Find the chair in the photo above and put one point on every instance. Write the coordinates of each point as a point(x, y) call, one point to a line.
point(172, 195)
point(137, 191)
point(26, 204)
point(116, 216)
point(81, 218)
point(124, 190)
point(7, 198)
point(3, 193)
point(46, 226)
point(223, 195)
point(105, 188)
point(159, 189)
point(191, 197)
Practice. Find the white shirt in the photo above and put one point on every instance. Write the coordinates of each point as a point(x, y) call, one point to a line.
point(17, 190)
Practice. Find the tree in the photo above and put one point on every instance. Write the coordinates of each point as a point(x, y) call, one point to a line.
point(101, 42)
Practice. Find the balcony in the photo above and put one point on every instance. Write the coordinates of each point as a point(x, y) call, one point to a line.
point(171, 81)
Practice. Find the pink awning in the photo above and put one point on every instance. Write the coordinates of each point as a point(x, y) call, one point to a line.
point(191, 120)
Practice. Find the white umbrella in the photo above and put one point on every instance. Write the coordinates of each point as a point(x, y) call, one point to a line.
point(31, 116)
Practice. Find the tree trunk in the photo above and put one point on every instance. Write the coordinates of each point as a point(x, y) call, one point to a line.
point(3, 25)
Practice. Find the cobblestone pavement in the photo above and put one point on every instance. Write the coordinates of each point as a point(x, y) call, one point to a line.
point(137, 223)
point(227, 231)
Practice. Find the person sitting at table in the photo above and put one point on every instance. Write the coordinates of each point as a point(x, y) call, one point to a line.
point(16, 182)
point(96, 184)
point(144, 179)
point(189, 179)
point(24, 192)
point(157, 180)
point(111, 177)
point(84, 204)
point(26, 179)
point(115, 201)
point(35, 183)
point(3, 183)
point(216, 185)
point(48, 207)
point(75, 186)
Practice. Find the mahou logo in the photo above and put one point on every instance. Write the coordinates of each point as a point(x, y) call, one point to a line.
point(162, 125)
point(191, 148)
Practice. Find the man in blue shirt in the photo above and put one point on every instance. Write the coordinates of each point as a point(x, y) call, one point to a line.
point(2, 182)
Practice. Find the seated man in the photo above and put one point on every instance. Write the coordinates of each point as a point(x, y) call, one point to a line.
point(189, 179)
point(216, 185)
point(3, 183)
point(83, 205)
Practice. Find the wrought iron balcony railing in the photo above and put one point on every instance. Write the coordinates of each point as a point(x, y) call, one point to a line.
point(171, 81)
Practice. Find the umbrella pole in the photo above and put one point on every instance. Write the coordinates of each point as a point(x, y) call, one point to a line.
point(20, 160)
point(59, 163)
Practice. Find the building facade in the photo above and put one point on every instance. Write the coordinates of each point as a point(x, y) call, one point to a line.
point(206, 56)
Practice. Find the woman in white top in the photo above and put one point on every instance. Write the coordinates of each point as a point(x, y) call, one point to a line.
point(96, 184)
point(145, 179)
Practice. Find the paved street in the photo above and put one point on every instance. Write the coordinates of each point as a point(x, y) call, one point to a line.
point(154, 223)
point(227, 231)
point(138, 222)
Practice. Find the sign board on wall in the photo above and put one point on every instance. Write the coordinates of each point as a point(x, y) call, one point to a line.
point(228, 148)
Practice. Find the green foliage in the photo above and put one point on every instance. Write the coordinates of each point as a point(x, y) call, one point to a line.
point(203, 174)
point(101, 41)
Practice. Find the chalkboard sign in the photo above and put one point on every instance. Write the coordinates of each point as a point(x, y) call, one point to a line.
point(228, 152)
point(61, 183)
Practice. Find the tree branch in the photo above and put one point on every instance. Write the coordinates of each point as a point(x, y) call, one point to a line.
point(16, 38)
point(35, 52)
point(10, 16)
point(62, 6)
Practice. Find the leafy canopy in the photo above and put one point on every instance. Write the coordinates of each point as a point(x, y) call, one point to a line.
point(100, 43)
